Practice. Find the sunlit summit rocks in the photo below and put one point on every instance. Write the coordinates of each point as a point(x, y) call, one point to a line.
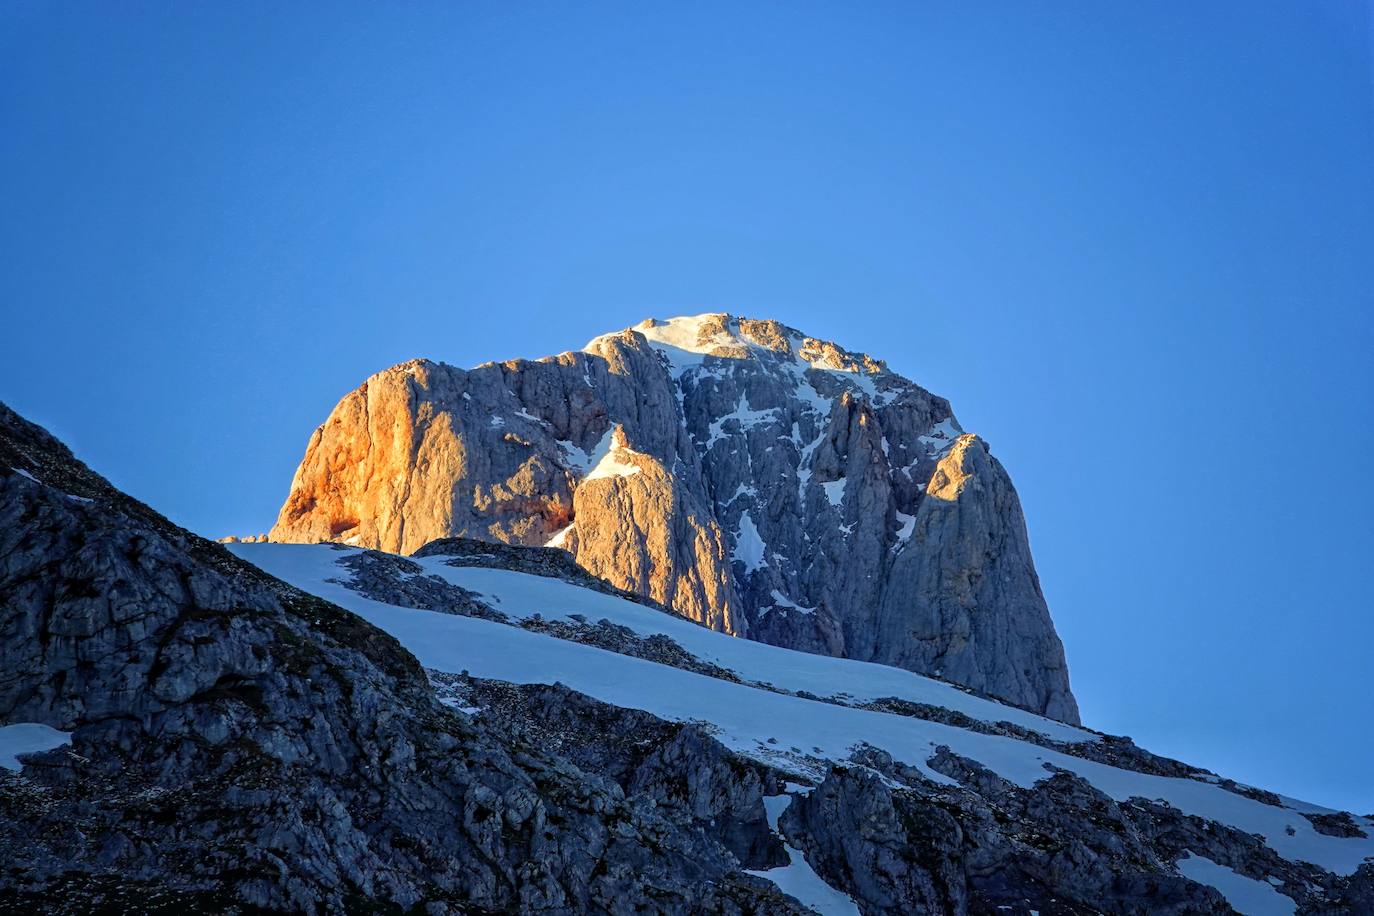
point(762, 482)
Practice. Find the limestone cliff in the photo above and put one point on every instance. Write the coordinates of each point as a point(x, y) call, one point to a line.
point(759, 481)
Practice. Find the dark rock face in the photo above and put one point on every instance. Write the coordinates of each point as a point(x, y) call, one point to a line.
point(895, 860)
point(238, 744)
point(899, 843)
point(676, 768)
point(396, 580)
point(751, 478)
point(934, 614)
point(1353, 895)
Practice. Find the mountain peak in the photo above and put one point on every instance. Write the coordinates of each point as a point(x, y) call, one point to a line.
point(751, 477)
point(687, 340)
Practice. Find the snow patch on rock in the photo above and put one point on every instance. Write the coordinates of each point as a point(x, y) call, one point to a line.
point(749, 546)
point(745, 415)
point(941, 436)
point(782, 601)
point(1246, 895)
point(608, 458)
point(797, 878)
point(28, 738)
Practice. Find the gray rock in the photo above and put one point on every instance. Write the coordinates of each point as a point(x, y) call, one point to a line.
point(675, 768)
point(966, 603)
point(755, 480)
point(900, 844)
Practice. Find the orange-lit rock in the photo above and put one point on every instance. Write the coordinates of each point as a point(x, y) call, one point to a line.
point(757, 480)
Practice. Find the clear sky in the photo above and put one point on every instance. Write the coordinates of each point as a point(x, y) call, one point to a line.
point(1133, 244)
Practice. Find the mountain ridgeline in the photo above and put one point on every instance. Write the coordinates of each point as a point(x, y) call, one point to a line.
point(759, 481)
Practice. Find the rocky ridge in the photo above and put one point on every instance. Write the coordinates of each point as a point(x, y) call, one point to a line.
point(237, 745)
point(759, 481)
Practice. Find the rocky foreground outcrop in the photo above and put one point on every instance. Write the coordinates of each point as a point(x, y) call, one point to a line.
point(752, 478)
point(240, 746)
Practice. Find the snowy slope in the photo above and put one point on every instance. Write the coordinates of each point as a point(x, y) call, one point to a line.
point(1246, 895)
point(792, 733)
point(521, 596)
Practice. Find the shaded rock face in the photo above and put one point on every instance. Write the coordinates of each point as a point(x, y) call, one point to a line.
point(951, 609)
point(751, 478)
point(679, 767)
point(237, 744)
point(900, 844)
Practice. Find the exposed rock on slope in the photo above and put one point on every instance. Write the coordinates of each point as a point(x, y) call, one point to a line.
point(885, 792)
point(754, 479)
point(237, 743)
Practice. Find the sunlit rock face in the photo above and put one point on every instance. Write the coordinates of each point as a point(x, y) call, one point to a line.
point(752, 478)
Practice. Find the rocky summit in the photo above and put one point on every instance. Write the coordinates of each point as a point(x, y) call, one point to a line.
point(759, 481)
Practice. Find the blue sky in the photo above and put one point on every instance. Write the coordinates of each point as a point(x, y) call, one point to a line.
point(1132, 243)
